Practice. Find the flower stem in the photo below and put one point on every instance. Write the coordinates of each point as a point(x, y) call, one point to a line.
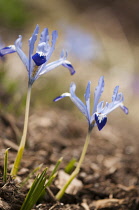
point(77, 169)
point(23, 139)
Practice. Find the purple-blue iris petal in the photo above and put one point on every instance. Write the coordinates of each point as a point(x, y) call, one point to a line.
point(62, 96)
point(7, 50)
point(81, 106)
point(38, 59)
point(115, 92)
point(44, 35)
point(87, 100)
point(18, 46)
point(119, 97)
point(51, 49)
point(98, 91)
point(101, 120)
point(87, 93)
point(57, 98)
point(124, 108)
point(32, 41)
point(43, 48)
point(68, 65)
point(100, 106)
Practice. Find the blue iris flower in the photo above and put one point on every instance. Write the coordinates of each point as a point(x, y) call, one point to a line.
point(100, 111)
point(37, 63)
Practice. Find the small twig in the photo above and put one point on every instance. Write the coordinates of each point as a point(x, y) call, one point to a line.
point(51, 195)
point(56, 204)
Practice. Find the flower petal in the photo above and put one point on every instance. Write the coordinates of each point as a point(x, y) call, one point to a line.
point(117, 100)
point(44, 36)
point(81, 106)
point(38, 59)
point(98, 91)
point(101, 120)
point(18, 46)
point(124, 108)
point(109, 107)
point(115, 92)
point(68, 65)
point(87, 99)
point(43, 49)
point(62, 96)
point(100, 106)
point(54, 38)
point(43, 46)
point(32, 41)
point(7, 50)
point(48, 67)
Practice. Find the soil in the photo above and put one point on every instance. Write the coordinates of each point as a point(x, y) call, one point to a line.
point(108, 179)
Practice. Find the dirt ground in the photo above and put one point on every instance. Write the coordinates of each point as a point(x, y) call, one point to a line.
point(108, 179)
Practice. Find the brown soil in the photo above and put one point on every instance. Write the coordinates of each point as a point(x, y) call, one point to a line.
point(109, 174)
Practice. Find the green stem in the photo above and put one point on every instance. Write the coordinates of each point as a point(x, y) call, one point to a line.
point(5, 165)
point(23, 139)
point(77, 169)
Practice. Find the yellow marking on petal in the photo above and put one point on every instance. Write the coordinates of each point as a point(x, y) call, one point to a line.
point(34, 71)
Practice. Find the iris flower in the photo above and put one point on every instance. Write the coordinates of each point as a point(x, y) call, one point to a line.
point(37, 62)
point(98, 117)
point(100, 111)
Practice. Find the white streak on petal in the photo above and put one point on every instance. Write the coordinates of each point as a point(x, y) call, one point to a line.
point(62, 96)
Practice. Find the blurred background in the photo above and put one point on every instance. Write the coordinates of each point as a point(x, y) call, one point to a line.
point(101, 37)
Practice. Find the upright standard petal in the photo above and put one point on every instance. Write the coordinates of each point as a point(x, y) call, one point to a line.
point(81, 106)
point(43, 46)
point(44, 51)
point(44, 36)
point(117, 99)
point(18, 45)
point(98, 91)
point(54, 38)
point(87, 100)
point(115, 92)
point(32, 41)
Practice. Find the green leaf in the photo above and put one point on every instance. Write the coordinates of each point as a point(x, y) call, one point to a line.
point(5, 165)
point(30, 175)
point(70, 166)
point(56, 166)
point(35, 191)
